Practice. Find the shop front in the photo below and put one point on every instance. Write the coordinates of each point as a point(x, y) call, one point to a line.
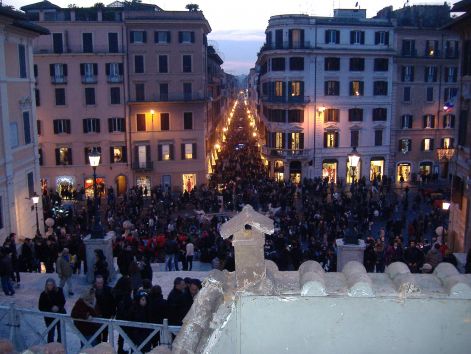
point(403, 172)
point(376, 168)
point(100, 186)
point(279, 170)
point(295, 171)
point(144, 182)
point(189, 182)
point(121, 185)
point(426, 170)
point(65, 186)
point(349, 178)
point(167, 182)
point(329, 170)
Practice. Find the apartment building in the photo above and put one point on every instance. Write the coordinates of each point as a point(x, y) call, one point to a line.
point(325, 88)
point(425, 88)
point(19, 160)
point(459, 233)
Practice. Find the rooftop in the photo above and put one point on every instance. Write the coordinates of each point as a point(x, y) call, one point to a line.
point(20, 20)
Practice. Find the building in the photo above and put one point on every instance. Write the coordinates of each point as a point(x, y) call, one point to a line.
point(325, 88)
point(19, 159)
point(131, 81)
point(459, 233)
point(424, 82)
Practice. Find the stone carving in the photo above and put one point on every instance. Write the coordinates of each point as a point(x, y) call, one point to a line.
point(311, 279)
point(359, 283)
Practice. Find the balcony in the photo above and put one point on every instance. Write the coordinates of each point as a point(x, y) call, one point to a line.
point(57, 79)
point(89, 79)
point(432, 54)
point(411, 53)
point(175, 97)
point(286, 100)
point(142, 166)
point(286, 45)
point(286, 154)
point(113, 79)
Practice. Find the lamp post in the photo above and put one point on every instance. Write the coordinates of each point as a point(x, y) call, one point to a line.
point(353, 160)
point(35, 198)
point(97, 231)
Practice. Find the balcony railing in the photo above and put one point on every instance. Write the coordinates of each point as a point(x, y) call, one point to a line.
point(115, 78)
point(287, 100)
point(286, 153)
point(287, 45)
point(59, 79)
point(89, 79)
point(142, 165)
point(175, 97)
point(409, 53)
point(434, 54)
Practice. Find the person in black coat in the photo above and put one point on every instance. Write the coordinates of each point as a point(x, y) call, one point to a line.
point(10, 244)
point(369, 259)
point(139, 312)
point(52, 300)
point(122, 294)
point(6, 268)
point(177, 303)
point(125, 258)
point(101, 265)
point(105, 302)
point(413, 257)
point(157, 310)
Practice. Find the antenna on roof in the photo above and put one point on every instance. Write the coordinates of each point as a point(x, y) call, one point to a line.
point(357, 5)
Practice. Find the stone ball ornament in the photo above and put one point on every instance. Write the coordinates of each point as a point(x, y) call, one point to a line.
point(49, 222)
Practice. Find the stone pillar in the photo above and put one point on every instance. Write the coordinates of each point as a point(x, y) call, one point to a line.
point(249, 257)
point(106, 245)
point(347, 253)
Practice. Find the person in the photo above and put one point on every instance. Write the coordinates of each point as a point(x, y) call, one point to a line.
point(157, 310)
point(434, 256)
point(101, 265)
point(194, 288)
point(84, 309)
point(64, 270)
point(369, 260)
point(135, 275)
point(190, 252)
point(140, 313)
point(6, 269)
point(176, 302)
point(27, 258)
point(171, 254)
point(122, 294)
point(10, 244)
point(105, 302)
point(52, 300)
point(413, 257)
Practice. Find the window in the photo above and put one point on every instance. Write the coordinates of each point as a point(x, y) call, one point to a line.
point(115, 95)
point(354, 138)
point(140, 92)
point(278, 64)
point(60, 96)
point(279, 85)
point(279, 38)
point(405, 145)
point(449, 121)
point(378, 137)
point(429, 94)
point(430, 74)
point(187, 91)
point(447, 143)
point(138, 37)
point(332, 37)
point(116, 125)
point(276, 115)
point(332, 115)
point(186, 63)
point(113, 42)
point(380, 114)
point(30, 179)
point(27, 128)
point(357, 37)
point(89, 95)
point(331, 64)
point(380, 88)
point(91, 125)
point(332, 88)
point(296, 63)
point(406, 121)
point(22, 60)
point(451, 74)
point(188, 151)
point(408, 48)
point(431, 48)
point(88, 150)
point(356, 88)
point(63, 156)
point(87, 42)
point(163, 91)
point(331, 139)
point(295, 116)
point(382, 38)
point(355, 115)
point(141, 122)
point(114, 72)
point(35, 71)
point(118, 154)
point(279, 140)
point(406, 94)
point(296, 38)
point(57, 43)
point(296, 141)
point(296, 89)
point(381, 64)
point(58, 73)
point(139, 64)
point(14, 141)
point(187, 120)
point(163, 64)
point(61, 126)
point(407, 74)
point(39, 127)
point(89, 72)
point(41, 158)
point(451, 49)
point(463, 127)
point(429, 121)
point(450, 93)
point(186, 37)
point(427, 144)
point(357, 64)
point(162, 37)
point(164, 121)
point(165, 152)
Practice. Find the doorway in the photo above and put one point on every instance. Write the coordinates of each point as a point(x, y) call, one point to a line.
point(121, 185)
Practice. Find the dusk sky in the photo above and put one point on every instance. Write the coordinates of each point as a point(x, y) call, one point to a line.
point(238, 26)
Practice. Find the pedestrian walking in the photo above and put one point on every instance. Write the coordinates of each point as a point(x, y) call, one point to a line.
point(52, 300)
point(65, 270)
point(6, 269)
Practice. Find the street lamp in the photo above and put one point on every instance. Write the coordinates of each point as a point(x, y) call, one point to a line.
point(94, 158)
point(35, 199)
point(353, 160)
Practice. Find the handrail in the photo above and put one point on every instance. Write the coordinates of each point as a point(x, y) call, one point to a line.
point(68, 329)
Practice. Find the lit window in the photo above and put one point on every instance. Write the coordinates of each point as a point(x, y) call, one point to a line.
point(295, 141)
point(330, 139)
point(427, 144)
point(166, 152)
point(447, 144)
point(278, 88)
point(295, 88)
point(279, 140)
point(188, 151)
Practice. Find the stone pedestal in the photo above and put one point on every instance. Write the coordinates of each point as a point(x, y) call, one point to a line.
point(106, 245)
point(347, 253)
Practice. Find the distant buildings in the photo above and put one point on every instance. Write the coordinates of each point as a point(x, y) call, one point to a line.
point(19, 161)
point(131, 81)
point(327, 85)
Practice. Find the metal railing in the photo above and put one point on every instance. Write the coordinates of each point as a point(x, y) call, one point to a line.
point(286, 153)
point(26, 328)
point(143, 166)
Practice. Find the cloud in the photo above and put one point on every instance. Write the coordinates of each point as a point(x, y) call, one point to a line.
point(238, 67)
point(238, 35)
